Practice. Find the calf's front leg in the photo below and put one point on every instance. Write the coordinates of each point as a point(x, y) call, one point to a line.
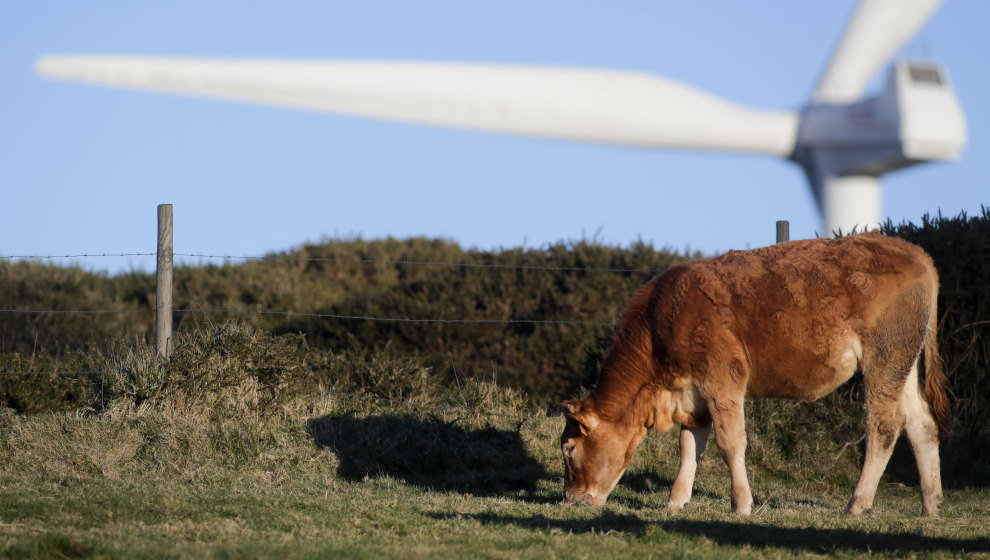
point(693, 441)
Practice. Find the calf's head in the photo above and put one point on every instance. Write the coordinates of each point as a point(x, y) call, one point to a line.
point(596, 453)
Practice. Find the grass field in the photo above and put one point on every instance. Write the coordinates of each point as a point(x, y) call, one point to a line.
point(469, 473)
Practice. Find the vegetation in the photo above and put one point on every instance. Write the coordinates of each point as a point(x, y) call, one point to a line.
point(581, 283)
point(960, 247)
point(238, 461)
point(309, 433)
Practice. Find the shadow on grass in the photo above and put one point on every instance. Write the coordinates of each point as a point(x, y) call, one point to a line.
point(820, 541)
point(725, 533)
point(644, 490)
point(433, 454)
point(653, 483)
point(965, 462)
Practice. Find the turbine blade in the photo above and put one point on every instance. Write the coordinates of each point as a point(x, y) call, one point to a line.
point(875, 32)
point(587, 105)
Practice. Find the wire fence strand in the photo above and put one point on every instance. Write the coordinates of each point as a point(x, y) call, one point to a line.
point(423, 263)
point(398, 319)
point(77, 375)
point(319, 316)
point(77, 256)
point(74, 311)
point(389, 262)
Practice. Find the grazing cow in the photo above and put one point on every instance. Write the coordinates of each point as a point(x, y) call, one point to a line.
point(793, 320)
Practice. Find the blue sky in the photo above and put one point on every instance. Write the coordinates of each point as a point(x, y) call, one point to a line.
point(82, 168)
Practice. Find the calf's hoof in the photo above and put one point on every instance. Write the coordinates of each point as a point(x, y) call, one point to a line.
point(857, 509)
point(742, 508)
point(931, 504)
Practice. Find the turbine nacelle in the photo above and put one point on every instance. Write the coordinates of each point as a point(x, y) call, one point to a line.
point(915, 118)
point(844, 148)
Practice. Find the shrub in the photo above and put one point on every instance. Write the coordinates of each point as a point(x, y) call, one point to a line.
point(53, 382)
point(227, 366)
point(960, 248)
point(575, 282)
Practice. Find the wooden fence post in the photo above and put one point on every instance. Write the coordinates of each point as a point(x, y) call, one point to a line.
point(163, 289)
point(783, 231)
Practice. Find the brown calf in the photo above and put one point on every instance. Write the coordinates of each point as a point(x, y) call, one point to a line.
point(794, 320)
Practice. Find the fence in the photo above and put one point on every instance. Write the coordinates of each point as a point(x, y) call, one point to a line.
point(164, 308)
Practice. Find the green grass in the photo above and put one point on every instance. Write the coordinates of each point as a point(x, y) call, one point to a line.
point(320, 475)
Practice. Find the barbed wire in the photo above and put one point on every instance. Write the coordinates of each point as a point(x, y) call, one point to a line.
point(74, 311)
point(399, 319)
point(76, 375)
point(390, 262)
point(424, 263)
point(321, 316)
point(78, 256)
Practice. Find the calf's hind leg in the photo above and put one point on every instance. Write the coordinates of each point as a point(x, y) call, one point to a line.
point(890, 380)
point(883, 426)
point(922, 433)
point(884, 421)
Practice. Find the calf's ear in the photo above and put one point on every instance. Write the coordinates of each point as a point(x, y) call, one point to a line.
point(572, 406)
point(585, 417)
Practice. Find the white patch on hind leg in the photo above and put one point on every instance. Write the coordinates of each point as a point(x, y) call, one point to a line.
point(923, 435)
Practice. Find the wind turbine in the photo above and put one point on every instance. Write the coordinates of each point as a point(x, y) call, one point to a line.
point(843, 140)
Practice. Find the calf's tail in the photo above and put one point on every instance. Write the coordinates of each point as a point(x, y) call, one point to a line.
point(934, 376)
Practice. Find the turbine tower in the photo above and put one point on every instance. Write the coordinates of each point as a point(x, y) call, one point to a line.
point(843, 140)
